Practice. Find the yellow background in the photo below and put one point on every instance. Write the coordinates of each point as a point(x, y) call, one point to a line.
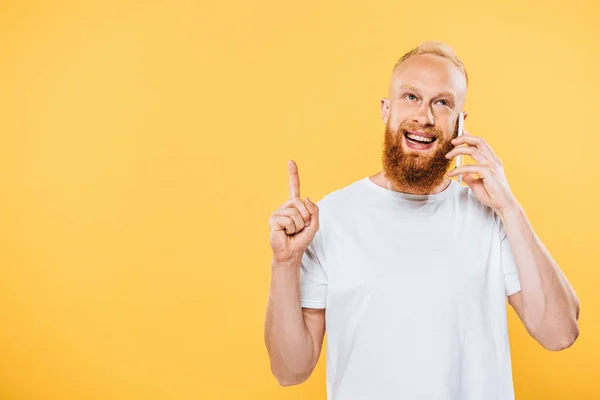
point(144, 144)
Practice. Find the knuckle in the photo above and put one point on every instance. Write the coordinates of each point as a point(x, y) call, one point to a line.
point(290, 228)
point(302, 208)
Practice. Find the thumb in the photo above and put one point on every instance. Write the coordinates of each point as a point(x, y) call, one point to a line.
point(313, 209)
point(469, 179)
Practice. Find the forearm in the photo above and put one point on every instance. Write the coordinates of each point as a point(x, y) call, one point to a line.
point(288, 341)
point(550, 306)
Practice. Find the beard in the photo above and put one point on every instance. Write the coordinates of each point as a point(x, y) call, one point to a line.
point(412, 171)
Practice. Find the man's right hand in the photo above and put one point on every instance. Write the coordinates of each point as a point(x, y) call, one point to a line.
point(294, 224)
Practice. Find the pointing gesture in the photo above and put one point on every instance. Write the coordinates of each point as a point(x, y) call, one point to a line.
point(294, 180)
point(294, 224)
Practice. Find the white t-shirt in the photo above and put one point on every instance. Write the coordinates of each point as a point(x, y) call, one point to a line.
point(415, 289)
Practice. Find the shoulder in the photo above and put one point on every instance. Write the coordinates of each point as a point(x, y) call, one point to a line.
point(343, 198)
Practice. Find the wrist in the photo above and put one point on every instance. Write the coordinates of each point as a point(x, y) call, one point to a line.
point(286, 263)
point(510, 208)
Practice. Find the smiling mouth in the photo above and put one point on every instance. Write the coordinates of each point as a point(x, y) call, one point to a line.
point(411, 137)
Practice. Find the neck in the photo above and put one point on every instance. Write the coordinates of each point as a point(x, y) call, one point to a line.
point(381, 180)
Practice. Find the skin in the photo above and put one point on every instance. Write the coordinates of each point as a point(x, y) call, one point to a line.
point(428, 91)
point(293, 335)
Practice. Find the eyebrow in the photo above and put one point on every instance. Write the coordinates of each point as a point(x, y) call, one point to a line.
point(414, 89)
point(408, 87)
point(446, 94)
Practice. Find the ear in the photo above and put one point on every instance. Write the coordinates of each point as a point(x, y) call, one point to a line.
point(465, 113)
point(384, 105)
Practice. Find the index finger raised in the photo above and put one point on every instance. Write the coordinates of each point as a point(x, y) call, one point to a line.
point(294, 180)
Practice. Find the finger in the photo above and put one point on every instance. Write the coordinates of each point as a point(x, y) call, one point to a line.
point(314, 212)
point(294, 180)
point(478, 169)
point(475, 141)
point(294, 214)
point(470, 151)
point(282, 223)
point(301, 206)
point(470, 179)
point(470, 140)
point(290, 228)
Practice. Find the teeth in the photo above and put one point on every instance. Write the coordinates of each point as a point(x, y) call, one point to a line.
point(419, 138)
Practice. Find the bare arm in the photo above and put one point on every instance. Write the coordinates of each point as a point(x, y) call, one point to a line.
point(547, 303)
point(293, 335)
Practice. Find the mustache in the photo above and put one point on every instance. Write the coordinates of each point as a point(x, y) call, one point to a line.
point(411, 126)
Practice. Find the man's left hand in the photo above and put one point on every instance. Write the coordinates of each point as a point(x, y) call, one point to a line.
point(491, 186)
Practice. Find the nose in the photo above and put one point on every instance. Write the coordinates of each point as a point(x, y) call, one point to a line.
point(423, 116)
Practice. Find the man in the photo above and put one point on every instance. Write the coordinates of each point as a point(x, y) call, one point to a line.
point(410, 270)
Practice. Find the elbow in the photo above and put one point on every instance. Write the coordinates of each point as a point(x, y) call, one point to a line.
point(286, 381)
point(556, 334)
point(563, 342)
point(286, 378)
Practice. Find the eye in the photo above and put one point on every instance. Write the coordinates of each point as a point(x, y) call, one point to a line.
point(443, 102)
point(410, 96)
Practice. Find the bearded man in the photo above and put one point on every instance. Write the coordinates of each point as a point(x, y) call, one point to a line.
point(407, 270)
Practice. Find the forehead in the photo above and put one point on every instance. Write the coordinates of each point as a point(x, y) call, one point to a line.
point(431, 74)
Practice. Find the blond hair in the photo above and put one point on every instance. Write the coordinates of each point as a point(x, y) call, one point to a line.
point(438, 49)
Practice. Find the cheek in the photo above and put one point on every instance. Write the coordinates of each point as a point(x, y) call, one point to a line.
point(448, 127)
point(397, 117)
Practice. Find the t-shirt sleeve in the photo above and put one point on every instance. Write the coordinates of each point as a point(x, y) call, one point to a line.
point(512, 283)
point(313, 280)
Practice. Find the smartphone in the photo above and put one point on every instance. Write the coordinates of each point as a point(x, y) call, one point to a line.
point(461, 124)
